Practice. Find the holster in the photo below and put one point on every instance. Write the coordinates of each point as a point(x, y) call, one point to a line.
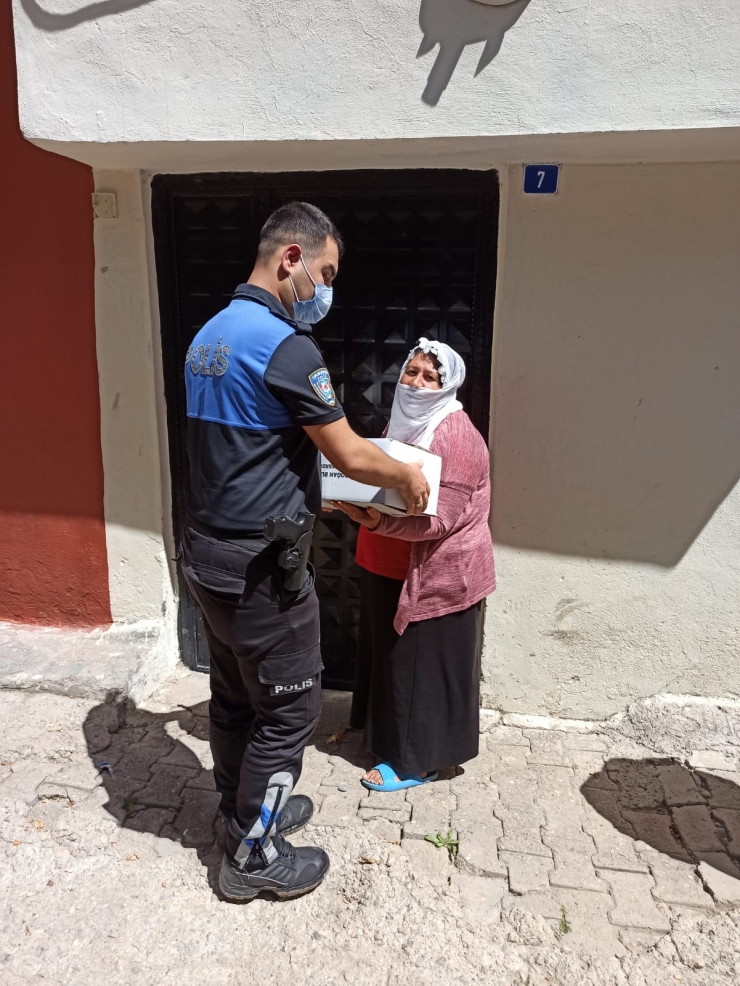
point(294, 560)
point(295, 537)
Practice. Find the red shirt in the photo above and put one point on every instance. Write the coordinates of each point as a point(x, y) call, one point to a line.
point(383, 555)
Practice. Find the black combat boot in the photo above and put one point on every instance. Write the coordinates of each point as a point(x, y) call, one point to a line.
point(249, 868)
point(297, 812)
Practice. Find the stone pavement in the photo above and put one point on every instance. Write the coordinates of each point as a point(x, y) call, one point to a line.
point(575, 856)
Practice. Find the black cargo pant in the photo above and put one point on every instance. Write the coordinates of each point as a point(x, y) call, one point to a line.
point(265, 673)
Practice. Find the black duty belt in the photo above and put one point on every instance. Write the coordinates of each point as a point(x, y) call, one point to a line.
point(243, 539)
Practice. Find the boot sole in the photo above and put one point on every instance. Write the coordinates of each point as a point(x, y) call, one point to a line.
point(244, 898)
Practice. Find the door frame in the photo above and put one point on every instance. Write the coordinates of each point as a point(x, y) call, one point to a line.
point(166, 188)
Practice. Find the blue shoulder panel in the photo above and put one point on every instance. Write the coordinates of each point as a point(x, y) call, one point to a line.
point(225, 368)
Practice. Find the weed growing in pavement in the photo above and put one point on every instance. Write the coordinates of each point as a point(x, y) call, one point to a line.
point(564, 927)
point(439, 841)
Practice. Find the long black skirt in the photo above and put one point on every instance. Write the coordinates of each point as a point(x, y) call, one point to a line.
point(416, 696)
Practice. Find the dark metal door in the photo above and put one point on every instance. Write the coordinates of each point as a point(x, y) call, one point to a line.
point(420, 260)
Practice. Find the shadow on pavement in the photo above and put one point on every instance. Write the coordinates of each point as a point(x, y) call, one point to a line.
point(156, 770)
point(334, 738)
point(688, 814)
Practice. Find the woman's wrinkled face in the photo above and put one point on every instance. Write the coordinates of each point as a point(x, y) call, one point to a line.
point(421, 372)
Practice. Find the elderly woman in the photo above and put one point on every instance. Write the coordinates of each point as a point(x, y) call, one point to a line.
point(423, 579)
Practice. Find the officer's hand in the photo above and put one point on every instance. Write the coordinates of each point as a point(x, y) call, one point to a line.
point(369, 518)
point(415, 491)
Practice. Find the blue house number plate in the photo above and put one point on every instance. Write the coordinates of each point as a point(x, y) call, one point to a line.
point(541, 179)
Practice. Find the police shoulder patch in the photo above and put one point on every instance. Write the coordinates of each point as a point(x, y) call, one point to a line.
point(321, 383)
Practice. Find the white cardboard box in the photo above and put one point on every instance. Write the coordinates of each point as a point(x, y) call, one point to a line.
point(336, 486)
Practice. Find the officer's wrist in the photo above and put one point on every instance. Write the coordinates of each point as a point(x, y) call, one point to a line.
point(410, 475)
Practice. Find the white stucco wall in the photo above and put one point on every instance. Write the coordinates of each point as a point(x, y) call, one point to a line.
point(617, 339)
point(616, 441)
point(246, 70)
point(615, 436)
point(132, 409)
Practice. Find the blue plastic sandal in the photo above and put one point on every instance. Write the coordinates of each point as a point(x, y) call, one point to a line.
point(390, 783)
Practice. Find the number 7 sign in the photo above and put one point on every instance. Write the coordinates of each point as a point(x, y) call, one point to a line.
point(541, 179)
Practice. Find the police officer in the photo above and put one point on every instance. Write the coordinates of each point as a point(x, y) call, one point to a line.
point(260, 406)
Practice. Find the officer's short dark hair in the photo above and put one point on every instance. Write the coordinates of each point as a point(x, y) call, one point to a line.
point(301, 223)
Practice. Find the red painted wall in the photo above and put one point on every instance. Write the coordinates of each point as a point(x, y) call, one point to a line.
point(53, 565)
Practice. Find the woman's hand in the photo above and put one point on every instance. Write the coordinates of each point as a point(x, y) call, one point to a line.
point(369, 518)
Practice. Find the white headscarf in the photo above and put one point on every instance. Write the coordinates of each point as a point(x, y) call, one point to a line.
point(418, 411)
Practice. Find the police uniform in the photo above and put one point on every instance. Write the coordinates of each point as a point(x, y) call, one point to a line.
point(254, 378)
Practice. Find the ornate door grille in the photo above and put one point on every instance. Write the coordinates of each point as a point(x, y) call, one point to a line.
point(420, 260)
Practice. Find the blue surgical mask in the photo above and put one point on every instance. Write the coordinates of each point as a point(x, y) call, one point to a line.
point(313, 309)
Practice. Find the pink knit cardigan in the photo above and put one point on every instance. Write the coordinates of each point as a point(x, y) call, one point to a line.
point(452, 554)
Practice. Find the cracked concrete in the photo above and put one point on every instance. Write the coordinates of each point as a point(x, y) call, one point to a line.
point(583, 858)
